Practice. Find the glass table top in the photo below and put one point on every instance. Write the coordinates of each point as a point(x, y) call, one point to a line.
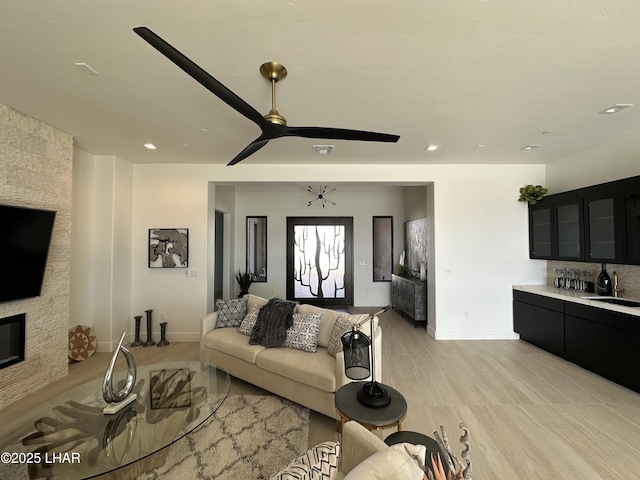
point(69, 437)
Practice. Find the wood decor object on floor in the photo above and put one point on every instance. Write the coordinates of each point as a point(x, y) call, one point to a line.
point(82, 342)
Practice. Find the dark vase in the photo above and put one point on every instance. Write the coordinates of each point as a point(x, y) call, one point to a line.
point(163, 333)
point(149, 342)
point(604, 282)
point(137, 342)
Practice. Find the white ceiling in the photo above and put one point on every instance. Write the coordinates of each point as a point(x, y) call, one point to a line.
point(457, 73)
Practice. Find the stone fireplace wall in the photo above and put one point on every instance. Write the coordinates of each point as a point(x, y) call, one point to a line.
point(35, 171)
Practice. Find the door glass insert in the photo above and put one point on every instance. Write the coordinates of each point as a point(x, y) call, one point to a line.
point(320, 269)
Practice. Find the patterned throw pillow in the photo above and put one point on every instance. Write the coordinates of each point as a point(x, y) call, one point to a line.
point(249, 321)
point(231, 312)
point(318, 463)
point(343, 325)
point(303, 334)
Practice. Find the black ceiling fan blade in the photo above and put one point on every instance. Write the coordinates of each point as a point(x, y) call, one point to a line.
point(341, 134)
point(201, 76)
point(250, 149)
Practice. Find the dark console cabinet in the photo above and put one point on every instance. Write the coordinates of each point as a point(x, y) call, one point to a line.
point(409, 295)
point(540, 321)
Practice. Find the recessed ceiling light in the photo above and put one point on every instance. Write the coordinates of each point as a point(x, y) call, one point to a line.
point(615, 108)
point(431, 148)
point(204, 130)
point(479, 146)
point(150, 146)
point(86, 68)
point(529, 147)
point(323, 149)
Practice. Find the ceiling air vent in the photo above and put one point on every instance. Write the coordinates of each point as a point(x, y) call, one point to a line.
point(323, 149)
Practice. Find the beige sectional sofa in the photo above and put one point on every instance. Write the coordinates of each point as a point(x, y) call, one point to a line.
point(360, 455)
point(310, 379)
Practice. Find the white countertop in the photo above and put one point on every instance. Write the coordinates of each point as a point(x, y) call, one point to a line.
point(571, 295)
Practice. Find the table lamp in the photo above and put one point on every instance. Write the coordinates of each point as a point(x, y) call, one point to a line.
point(358, 365)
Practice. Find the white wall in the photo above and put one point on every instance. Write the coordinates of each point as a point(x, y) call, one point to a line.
point(600, 164)
point(480, 235)
point(101, 246)
point(282, 201)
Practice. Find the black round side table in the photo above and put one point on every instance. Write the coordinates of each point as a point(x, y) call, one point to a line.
point(418, 439)
point(350, 408)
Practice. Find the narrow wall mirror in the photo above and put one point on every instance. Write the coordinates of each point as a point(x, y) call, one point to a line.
point(257, 248)
point(382, 248)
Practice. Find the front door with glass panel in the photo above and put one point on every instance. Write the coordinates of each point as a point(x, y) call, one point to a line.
point(320, 260)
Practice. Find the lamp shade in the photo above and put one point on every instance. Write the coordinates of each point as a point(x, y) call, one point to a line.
point(357, 365)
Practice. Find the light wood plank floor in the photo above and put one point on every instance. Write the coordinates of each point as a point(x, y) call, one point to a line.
point(531, 414)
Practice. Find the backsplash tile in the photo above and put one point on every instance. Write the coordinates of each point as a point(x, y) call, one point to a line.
point(628, 275)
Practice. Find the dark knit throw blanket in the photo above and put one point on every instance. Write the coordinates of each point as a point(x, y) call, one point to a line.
point(272, 323)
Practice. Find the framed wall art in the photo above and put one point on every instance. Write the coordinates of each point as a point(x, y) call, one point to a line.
point(168, 247)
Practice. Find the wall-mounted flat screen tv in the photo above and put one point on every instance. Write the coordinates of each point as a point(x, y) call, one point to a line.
point(25, 235)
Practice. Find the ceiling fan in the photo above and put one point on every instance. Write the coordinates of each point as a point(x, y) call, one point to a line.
point(273, 125)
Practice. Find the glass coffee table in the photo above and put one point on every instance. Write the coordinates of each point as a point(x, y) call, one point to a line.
point(69, 437)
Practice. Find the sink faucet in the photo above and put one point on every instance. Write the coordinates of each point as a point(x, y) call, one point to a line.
point(616, 285)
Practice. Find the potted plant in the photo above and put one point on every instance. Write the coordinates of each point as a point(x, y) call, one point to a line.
point(244, 281)
point(532, 194)
point(402, 271)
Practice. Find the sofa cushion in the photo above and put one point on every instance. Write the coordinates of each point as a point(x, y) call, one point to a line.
point(254, 301)
point(344, 324)
point(317, 463)
point(326, 324)
point(248, 322)
point(227, 340)
point(231, 312)
point(303, 334)
point(402, 461)
point(315, 369)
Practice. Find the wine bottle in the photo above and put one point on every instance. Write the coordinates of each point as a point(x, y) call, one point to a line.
point(604, 282)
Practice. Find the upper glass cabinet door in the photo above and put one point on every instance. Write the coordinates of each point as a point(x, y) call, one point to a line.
point(540, 232)
point(568, 218)
point(602, 234)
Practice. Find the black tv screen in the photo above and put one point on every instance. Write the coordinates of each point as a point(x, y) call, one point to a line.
point(25, 235)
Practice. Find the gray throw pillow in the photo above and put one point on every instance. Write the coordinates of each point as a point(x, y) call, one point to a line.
point(231, 312)
point(303, 334)
point(248, 322)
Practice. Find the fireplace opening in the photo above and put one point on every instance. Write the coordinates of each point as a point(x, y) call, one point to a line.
point(12, 340)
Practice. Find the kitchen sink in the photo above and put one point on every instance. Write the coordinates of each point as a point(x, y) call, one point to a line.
point(615, 300)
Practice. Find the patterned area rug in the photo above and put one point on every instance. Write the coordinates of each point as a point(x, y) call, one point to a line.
point(249, 437)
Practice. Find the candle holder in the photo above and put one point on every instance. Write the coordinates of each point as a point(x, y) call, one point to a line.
point(149, 342)
point(163, 332)
point(137, 342)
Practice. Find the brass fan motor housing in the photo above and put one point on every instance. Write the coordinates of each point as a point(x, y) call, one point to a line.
point(273, 71)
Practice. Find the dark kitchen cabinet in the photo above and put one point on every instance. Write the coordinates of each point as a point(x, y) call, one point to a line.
point(540, 233)
point(569, 230)
point(632, 227)
point(601, 231)
point(599, 224)
point(540, 321)
point(604, 342)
